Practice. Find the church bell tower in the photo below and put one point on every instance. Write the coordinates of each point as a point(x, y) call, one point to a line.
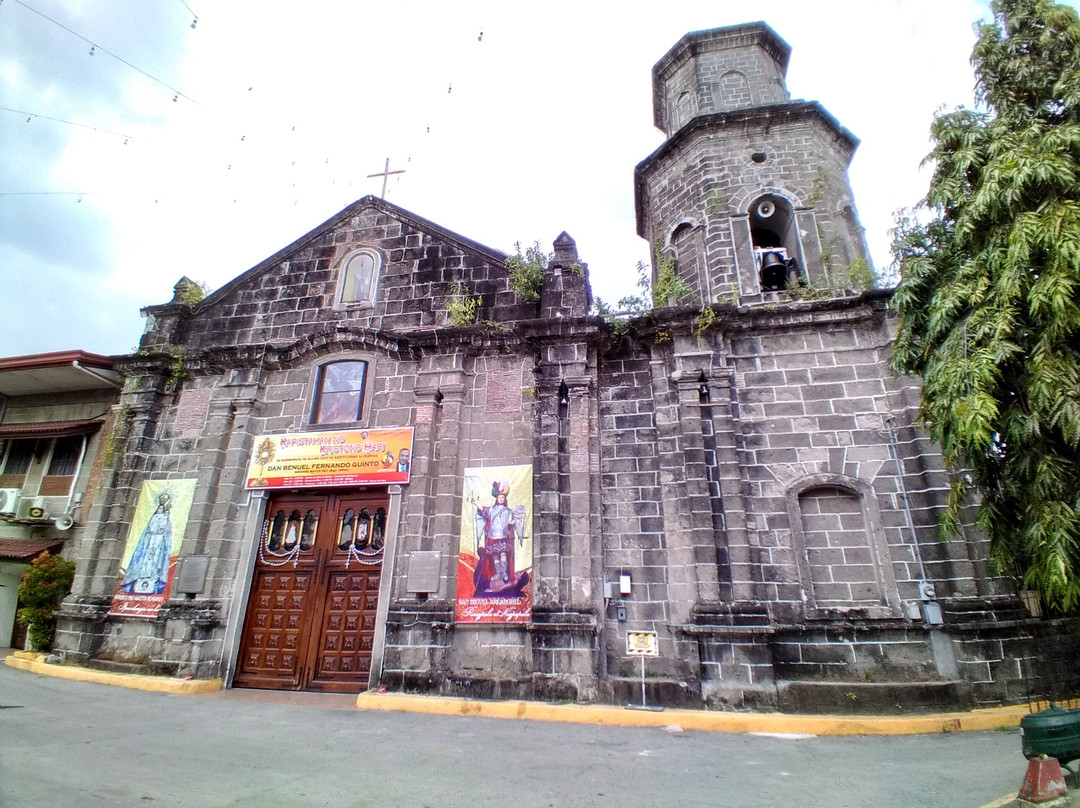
point(749, 193)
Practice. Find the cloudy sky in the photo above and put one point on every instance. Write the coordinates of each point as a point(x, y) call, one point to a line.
point(136, 147)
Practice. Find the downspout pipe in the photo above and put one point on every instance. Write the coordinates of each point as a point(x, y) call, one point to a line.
point(927, 593)
point(75, 480)
point(101, 377)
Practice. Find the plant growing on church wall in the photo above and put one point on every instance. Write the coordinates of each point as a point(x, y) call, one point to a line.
point(704, 321)
point(192, 293)
point(462, 308)
point(821, 185)
point(116, 438)
point(861, 275)
point(177, 373)
point(527, 271)
point(42, 588)
point(669, 286)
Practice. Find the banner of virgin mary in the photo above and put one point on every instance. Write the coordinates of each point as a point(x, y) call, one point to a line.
point(153, 545)
point(494, 581)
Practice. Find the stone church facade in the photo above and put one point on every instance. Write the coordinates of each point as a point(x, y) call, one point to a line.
point(735, 477)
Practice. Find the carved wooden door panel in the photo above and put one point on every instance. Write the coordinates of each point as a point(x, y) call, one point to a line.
point(310, 621)
point(353, 570)
point(277, 628)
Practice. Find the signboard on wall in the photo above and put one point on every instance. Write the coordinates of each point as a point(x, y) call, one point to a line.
point(317, 459)
point(494, 582)
point(642, 643)
point(153, 545)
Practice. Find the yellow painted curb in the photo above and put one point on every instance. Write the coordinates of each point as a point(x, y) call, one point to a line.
point(34, 663)
point(702, 720)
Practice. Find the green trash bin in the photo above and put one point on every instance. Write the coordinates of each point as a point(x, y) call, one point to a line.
point(1054, 732)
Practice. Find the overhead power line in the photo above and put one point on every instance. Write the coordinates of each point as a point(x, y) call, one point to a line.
point(94, 47)
point(30, 115)
point(195, 21)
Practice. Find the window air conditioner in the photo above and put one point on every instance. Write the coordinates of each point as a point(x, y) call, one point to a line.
point(33, 508)
point(9, 501)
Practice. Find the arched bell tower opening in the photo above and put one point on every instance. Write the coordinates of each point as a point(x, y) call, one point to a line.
point(777, 248)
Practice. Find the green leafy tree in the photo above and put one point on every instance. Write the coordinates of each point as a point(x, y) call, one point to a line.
point(989, 297)
point(41, 590)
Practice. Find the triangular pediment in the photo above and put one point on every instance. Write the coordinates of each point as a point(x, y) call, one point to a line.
point(364, 206)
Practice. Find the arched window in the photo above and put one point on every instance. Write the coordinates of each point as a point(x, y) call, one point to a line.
point(731, 92)
point(339, 392)
point(684, 110)
point(844, 560)
point(359, 275)
point(688, 243)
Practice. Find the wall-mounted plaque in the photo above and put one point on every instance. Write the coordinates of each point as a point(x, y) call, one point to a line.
point(191, 574)
point(424, 568)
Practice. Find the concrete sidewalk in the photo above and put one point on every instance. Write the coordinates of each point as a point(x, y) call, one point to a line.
point(598, 714)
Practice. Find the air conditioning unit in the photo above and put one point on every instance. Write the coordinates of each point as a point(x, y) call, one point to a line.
point(33, 508)
point(9, 501)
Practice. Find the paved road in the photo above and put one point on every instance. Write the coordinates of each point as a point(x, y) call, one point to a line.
point(74, 744)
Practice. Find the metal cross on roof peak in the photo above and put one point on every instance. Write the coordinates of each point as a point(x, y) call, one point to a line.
point(385, 173)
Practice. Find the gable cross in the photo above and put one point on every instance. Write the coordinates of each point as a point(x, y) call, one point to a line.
point(385, 173)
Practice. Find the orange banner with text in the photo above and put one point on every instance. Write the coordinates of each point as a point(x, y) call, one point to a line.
point(317, 459)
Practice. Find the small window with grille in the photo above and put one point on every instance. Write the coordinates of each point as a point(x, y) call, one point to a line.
point(16, 460)
point(67, 452)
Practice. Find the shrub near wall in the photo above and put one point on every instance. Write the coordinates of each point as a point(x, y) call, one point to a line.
point(43, 587)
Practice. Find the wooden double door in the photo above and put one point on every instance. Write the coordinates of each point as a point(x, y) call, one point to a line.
point(310, 621)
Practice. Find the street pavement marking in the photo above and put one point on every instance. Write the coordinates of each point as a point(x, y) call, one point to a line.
point(1001, 801)
point(784, 736)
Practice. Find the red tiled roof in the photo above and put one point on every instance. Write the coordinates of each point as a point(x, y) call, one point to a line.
point(55, 359)
point(49, 429)
point(19, 550)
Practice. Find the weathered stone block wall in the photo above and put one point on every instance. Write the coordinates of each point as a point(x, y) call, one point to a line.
point(737, 669)
point(497, 428)
point(631, 514)
point(183, 640)
point(814, 395)
point(1010, 656)
point(418, 637)
point(867, 651)
point(732, 79)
